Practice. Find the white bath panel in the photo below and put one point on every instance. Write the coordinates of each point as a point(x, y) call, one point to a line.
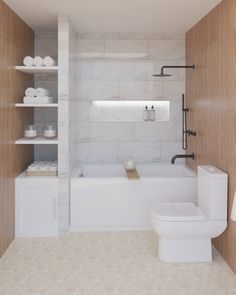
point(105, 200)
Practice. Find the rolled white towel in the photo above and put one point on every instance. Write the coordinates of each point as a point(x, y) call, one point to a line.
point(28, 99)
point(38, 61)
point(30, 92)
point(48, 61)
point(28, 61)
point(38, 100)
point(42, 92)
point(44, 99)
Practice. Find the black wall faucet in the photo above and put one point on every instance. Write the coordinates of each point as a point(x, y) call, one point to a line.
point(191, 156)
point(191, 132)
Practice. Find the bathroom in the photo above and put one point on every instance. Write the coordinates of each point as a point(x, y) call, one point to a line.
point(117, 147)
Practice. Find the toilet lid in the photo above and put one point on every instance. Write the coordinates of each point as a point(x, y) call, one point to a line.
point(177, 212)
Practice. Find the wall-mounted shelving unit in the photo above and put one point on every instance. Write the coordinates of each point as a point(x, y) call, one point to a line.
point(39, 140)
point(37, 70)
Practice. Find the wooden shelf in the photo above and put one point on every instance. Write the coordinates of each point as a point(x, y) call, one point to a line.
point(37, 140)
point(29, 105)
point(37, 70)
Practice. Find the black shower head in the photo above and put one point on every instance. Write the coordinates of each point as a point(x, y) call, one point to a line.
point(162, 74)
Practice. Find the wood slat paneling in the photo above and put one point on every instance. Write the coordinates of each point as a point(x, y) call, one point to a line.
point(16, 41)
point(211, 96)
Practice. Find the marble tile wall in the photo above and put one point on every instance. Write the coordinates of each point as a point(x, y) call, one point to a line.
point(66, 96)
point(72, 97)
point(120, 67)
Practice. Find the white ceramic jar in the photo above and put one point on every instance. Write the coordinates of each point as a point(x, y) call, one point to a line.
point(49, 131)
point(30, 131)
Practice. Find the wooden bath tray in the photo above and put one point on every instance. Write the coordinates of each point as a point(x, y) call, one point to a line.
point(41, 173)
point(132, 174)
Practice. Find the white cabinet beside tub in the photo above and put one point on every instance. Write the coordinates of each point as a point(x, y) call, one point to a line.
point(36, 206)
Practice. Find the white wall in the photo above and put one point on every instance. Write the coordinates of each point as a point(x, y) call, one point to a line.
point(120, 67)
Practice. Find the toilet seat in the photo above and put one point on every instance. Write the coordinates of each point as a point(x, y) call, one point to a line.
point(174, 212)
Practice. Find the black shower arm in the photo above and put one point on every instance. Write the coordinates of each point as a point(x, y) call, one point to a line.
point(176, 67)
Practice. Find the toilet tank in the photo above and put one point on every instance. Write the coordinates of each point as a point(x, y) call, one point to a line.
point(212, 192)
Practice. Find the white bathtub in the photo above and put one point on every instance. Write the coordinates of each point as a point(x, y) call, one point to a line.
point(102, 198)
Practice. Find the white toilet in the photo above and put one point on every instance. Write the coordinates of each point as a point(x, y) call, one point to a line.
point(184, 229)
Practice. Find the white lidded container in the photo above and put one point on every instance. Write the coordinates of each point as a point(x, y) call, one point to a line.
point(49, 131)
point(30, 131)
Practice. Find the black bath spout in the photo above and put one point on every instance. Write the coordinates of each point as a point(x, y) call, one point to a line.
point(190, 156)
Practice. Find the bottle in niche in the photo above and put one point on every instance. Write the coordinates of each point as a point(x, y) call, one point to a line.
point(146, 114)
point(152, 114)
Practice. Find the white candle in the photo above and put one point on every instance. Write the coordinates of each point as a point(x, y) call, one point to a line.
point(49, 133)
point(30, 133)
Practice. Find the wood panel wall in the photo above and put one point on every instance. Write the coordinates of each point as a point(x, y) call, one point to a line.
point(211, 97)
point(16, 41)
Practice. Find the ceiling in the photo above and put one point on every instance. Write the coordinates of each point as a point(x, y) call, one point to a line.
point(169, 16)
